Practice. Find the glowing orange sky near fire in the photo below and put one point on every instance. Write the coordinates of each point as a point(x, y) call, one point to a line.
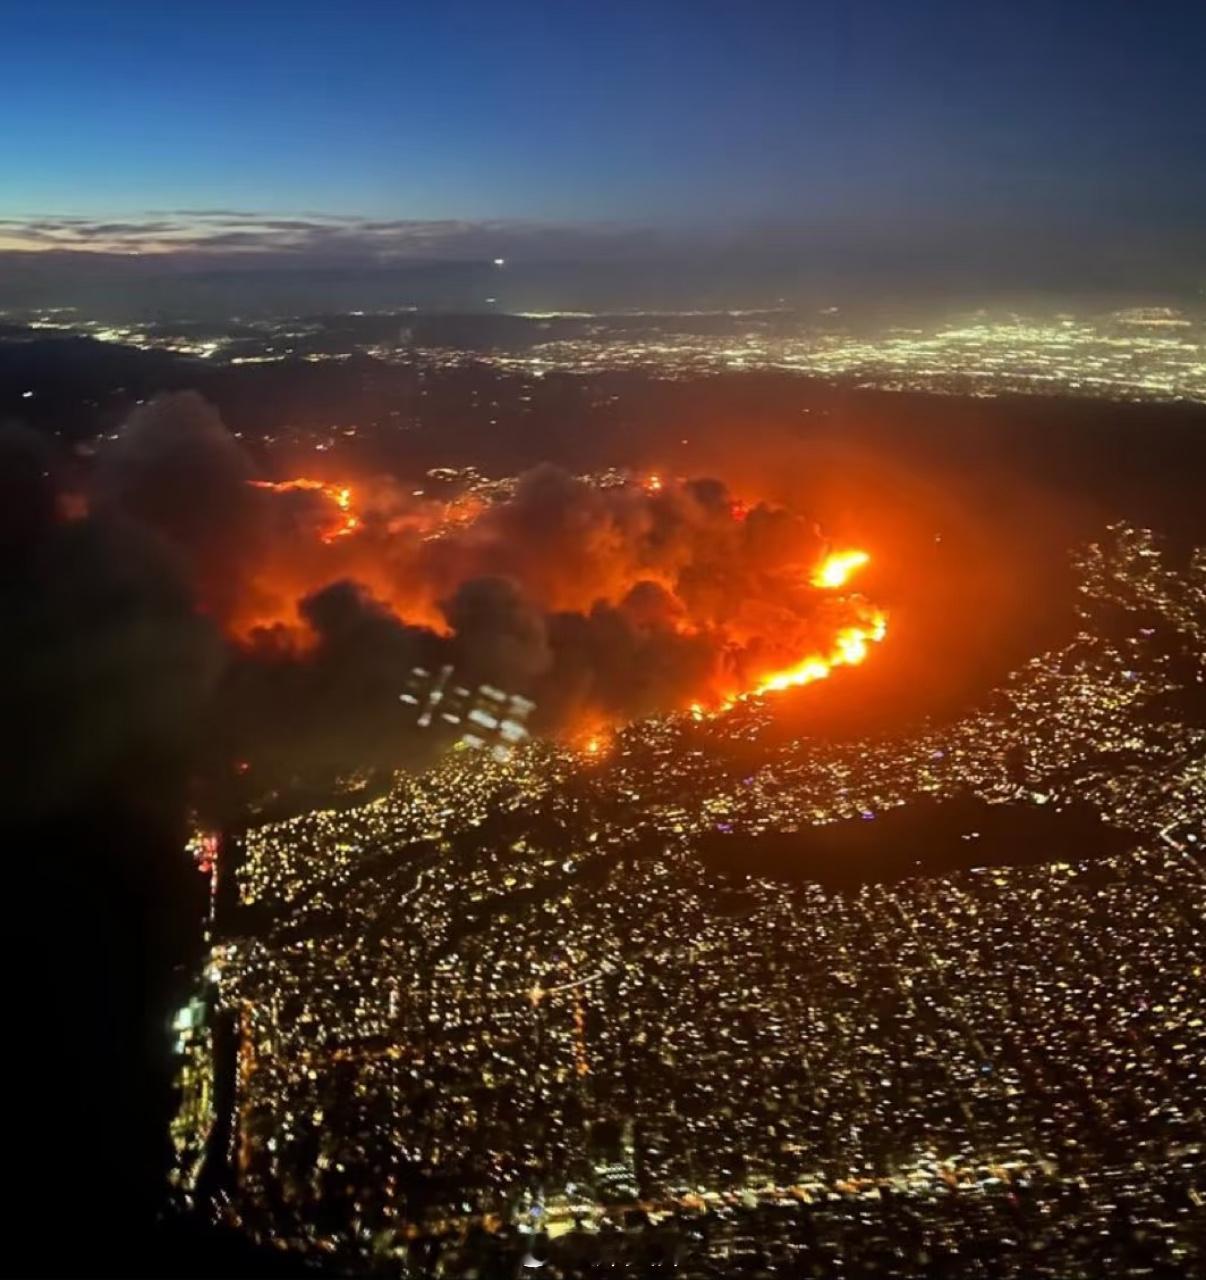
point(339, 495)
point(850, 647)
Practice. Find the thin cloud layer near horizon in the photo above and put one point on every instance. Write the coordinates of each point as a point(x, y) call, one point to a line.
point(425, 130)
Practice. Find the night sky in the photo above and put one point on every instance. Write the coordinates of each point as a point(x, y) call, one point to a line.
point(894, 122)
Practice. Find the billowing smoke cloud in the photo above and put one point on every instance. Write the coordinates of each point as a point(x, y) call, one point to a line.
point(628, 660)
point(107, 666)
point(499, 635)
point(599, 602)
point(176, 469)
point(330, 708)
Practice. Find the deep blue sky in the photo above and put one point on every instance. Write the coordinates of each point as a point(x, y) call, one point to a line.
point(893, 115)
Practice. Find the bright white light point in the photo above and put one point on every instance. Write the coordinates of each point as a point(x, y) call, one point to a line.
point(500, 262)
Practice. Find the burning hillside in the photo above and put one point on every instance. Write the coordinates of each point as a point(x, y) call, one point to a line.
point(708, 598)
point(600, 598)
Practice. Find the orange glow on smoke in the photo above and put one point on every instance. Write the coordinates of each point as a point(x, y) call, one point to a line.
point(850, 647)
point(340, 496)
point(592, 738)
point(776, 614)
point(72, 505)
point(330, 541)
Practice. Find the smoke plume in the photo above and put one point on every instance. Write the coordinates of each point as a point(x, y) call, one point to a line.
point(600, 601)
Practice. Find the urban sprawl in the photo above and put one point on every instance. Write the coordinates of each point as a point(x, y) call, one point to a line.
point(508, 1016)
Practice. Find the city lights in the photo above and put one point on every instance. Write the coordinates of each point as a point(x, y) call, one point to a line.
point(544, 926)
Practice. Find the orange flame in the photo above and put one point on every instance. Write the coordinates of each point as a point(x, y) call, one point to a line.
point(592, 739)
point(338, 494)
point(281, 582)
point(836, 569)
point(850, 647)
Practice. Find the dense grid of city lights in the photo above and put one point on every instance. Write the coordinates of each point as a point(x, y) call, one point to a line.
point(1139, 353)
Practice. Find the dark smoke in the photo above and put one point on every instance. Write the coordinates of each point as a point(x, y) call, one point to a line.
point(106, 662)
point(315, 715)
point(625, 661)
point(177, 470)
point(499, 635)
point(597, 602)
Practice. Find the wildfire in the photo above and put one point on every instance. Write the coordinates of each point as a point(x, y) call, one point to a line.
point(595, 744)
point(432, 542)
point(850, 647)
point(592, 739)
point(339, 495)
point(835, 570)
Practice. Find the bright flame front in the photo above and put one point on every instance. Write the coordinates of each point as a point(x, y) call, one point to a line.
point(340, 495)
point(850, 648)
point(850, 645)
point(836, 569)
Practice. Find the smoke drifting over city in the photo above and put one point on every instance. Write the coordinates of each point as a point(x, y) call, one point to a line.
point(302, 605)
